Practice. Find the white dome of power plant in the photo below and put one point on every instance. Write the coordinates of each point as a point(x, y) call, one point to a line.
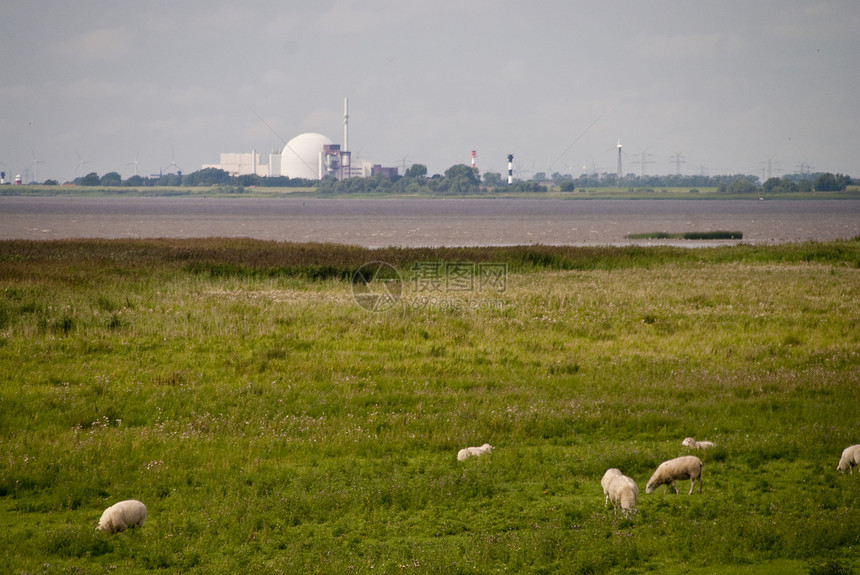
point(300, 157)
point(309, 156)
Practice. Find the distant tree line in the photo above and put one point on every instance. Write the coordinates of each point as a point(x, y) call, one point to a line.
point(460, 179)
point(735, 183)
point(204, 177)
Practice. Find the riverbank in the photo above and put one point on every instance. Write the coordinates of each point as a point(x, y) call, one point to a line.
point(853, 192)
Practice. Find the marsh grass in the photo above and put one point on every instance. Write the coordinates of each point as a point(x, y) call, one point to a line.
point(273, 425)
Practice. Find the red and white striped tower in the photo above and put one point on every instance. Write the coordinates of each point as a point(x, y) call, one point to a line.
point(474, 155)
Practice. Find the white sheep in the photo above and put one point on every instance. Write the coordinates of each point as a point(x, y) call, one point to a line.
point(690, 442)
point(120, 516)
point(606, 480)
point(850, 459)
point(476, 451)
point(686, 467)
point(621, 490)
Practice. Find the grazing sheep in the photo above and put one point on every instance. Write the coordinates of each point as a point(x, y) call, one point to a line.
point(622, 491)
point(686, 467)
point(690, 442)
point(476, 451)
point(607, 479)
point(850, 459)
point(122, 515)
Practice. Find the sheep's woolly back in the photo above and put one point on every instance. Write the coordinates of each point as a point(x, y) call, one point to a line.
point(690, 442)
point(623, 493)
point(607, 479)
point(850, 459)
point(120, 516)
point(476, 451)
point(686, 467)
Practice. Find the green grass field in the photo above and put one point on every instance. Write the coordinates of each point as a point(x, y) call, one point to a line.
point(272, 424)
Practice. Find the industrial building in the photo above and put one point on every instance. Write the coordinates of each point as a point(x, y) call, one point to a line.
point(309, 156)
point(238, 164)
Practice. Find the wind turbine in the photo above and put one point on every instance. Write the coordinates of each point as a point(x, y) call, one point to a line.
point(594, 168)
point(81, 163)
point(172, 164)
point(134, 163)
point(32, 172)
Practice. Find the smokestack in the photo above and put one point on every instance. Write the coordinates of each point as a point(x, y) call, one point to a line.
point(510, 169)
point(474, 155)
point(345, 124)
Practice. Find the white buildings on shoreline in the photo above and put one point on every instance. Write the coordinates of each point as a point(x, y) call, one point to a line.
point(310, 156)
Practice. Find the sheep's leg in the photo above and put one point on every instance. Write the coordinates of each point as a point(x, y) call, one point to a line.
point(675, 487)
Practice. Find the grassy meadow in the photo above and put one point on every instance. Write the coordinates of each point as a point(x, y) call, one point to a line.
point(272, 424)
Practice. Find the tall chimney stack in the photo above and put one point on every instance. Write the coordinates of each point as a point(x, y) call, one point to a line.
point(346, 124)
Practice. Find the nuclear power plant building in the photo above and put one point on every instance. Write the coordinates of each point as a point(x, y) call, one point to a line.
point(309, 156)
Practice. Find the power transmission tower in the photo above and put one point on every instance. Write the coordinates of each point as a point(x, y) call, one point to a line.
point(645, 158)
point(679, 159)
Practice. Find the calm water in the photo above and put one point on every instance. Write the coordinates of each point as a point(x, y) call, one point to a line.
point(412, 223)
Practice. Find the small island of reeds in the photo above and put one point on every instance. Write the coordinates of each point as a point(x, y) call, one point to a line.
point(707, 235)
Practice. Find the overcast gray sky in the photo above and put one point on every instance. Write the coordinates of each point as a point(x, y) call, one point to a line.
point(732, 86)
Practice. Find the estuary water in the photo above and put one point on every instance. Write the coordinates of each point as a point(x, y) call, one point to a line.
point(432, 222)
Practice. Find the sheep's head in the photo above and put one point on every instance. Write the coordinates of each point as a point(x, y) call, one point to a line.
point(654, 483)
point(689, 442)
